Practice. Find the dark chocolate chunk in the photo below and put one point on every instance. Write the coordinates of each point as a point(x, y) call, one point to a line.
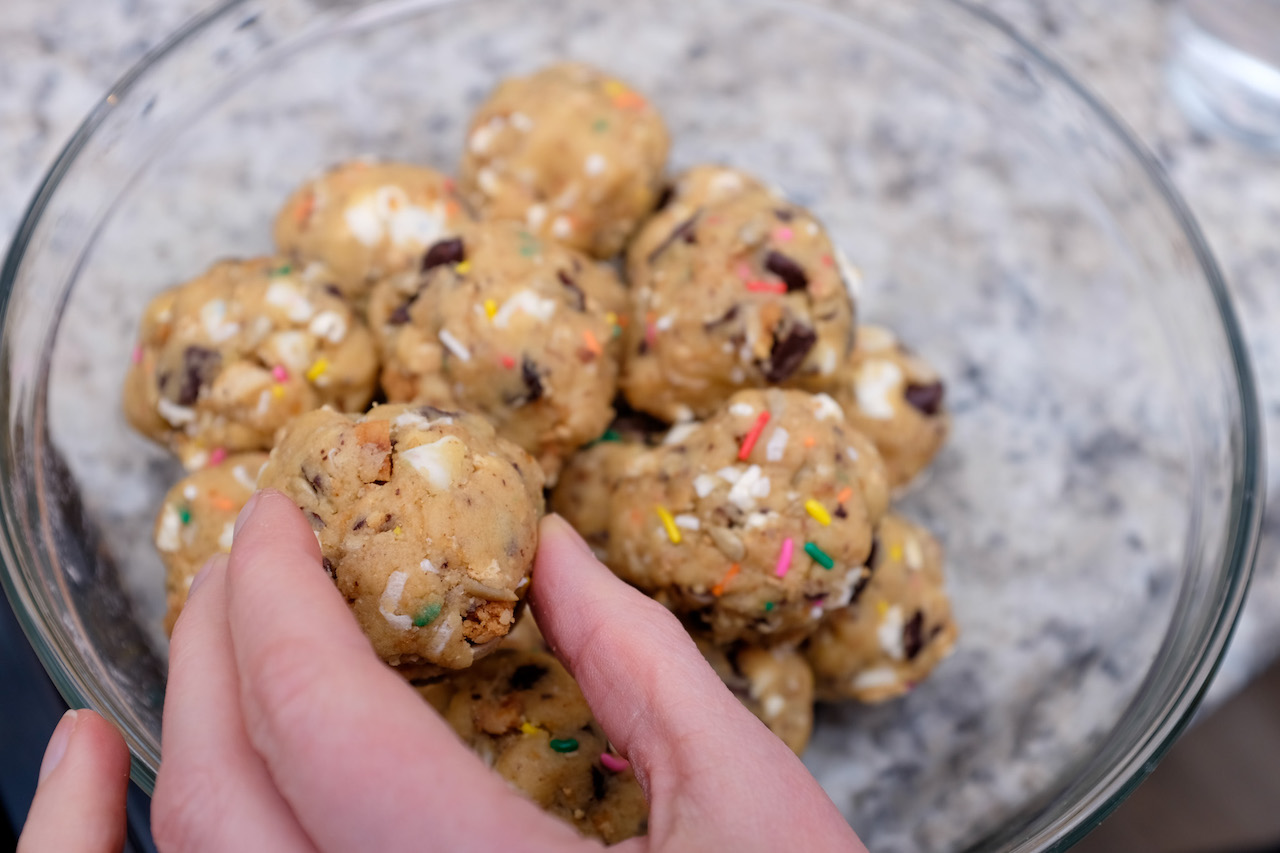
point(926, 398)
point(727, 317)
point(784, 214)
point(597, 782)
point(328, 568)
point(400, 316)
point(579, 298)
point(526, 676)
point(199, 367)
point(316, 521)
point(791, 273)
point(789, 352)
point(684, 231)
point(871, 555)
point(532, 381)
point(360, 525)
point(664, 197)
point(334, 290)
point(841, 512)
point(913, 636)
point(445, 252)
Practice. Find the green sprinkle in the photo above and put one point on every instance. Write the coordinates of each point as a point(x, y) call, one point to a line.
point(611, 434)
point(600, 125)
point(427, 615)
point(819, 556)
point(617, 330)
point(768, 605)
point(185, 515)
point(282, 270)
point(564, 744)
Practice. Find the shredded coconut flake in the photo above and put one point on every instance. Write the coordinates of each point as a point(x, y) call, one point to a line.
point(688, 522)
point(296, 306)
point(880, 676)
point(525, 301)
point(704, 484)
point(167, 538)
point(752, 485)
point(391, 600)
point(889, 632)
point(874, 384)
point(777, 445)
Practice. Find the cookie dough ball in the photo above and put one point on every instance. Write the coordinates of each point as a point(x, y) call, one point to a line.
point(584, 493)
point(369, 220)
point(525, 716)
point(573, 153)
point(501, 323)
point(776, 685)
point(896, 399)
point(742, 293)
point(225, 360)
point(196, 521)
point(897, 627)
point(752, 523)
point(427, 520)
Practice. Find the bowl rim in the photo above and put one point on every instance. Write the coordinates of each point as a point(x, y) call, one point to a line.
point(1245, 503)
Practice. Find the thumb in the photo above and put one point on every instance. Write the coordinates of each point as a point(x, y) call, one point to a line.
point(714, 775)
point(80, 799)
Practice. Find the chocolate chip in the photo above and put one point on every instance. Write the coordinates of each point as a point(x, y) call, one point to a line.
point(199, 367)
point(597, 782)
point(926, 398)
point(913, 636)
point(316, 521)
point(664, 197)
point(532, 381)
point(328, 568)
point(317, 483)
point(841, 512)
point(642, 347)
point(789, 352)
point(871, 555)
point(333, 290)
point(400, 316)
point(360, 525)
point(791, 273)
point(579, 298)
point(445, 252)
point(684, 231)
point(526, 676)
point(784, 214)
point(727, 317)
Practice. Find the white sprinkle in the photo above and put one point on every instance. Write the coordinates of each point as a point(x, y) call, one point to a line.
point(687, 522)
point(439, 461)
point(756, 520)
point(228, 531)
point(874, 384)
point(483, 136)
point(852, 453)
point(291, 348)
point(664, 323)
point(521, 122)
point(826, 408)
point(167, 539)
point(173, 413)
point(242, 477)
point(730, 474)
point(535, 216)
point(889, 633)
point(683, 413)
point(851, 275)
point(454, 345)
point(213, 315)
point(742, 410)
point(189, 491)
point(679, 432)
point(525, 301)
point(880, 676)
point(426, 566)
point(777, 445)
point(296, 306)
point(264, 403)
point(750, 486)
point(595, 164)
point(329, 325)
point(561, 227)
point(828, 360)
point(488, 181)
point(912, 554)
point(846, 588)
point(391, 600)
point(704, 484)
point(773, 705)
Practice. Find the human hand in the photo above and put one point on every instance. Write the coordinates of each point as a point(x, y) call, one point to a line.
point(284, 732)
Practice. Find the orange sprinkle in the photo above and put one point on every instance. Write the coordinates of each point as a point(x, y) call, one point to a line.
point(629, 100)
point(844, 495)
point(718, 589)
point(302, 211)
point(221, 502)
point(451, 208)
point(624, 320)
point(591, 343)
point(810, 441)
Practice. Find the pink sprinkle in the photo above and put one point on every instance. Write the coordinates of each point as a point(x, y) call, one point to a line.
point(650, 332)
point(784, 558)
point(767, 286)
point(137, 355)
point(783, 234)
point(742, 271)
point(217, 455)
point(279, 373)
point(616, 763)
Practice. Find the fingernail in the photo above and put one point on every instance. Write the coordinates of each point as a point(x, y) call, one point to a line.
point(245, 513)
point(204, 572)
point(57, 744)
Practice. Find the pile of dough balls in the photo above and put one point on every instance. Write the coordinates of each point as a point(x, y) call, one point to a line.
point(678, 361)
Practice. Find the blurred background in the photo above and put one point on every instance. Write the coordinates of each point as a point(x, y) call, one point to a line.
point(1219, 788)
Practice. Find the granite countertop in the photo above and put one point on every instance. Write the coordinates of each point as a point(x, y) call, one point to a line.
point(57, 57)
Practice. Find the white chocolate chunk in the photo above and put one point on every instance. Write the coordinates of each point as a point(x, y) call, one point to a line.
point(874, 384)
point(439, 462)
point(167, 538)
point(889, 632)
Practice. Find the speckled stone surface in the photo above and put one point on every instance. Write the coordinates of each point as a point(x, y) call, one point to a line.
point(1007, 713)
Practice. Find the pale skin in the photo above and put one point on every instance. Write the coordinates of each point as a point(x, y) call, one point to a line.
point(283, 731)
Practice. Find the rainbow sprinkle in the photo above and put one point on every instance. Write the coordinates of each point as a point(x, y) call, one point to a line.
point(217, 456)
point(490, 308)
point(818, 511)
point(673, 532)
point(318, 369)
point(284, 269)
point(783, 234)
point(895, 553)
point(768, 605)
point(277, 391)
point(752, 436)
point(592, 345)
point(428, 614)
point(529, 728)
point(718, 589)
point(784, 557)
point(844, 495)
point(766, 287)
point(819, 556)
point(137, 355)
point(184, 515)
point(279, 373)
point(463, 267)
point(567, 744)
point(397, 530)
point(508, 362)
point(614, 763)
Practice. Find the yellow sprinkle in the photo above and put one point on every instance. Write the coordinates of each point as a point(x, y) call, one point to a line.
point(317, 370)
point(490, 307)
point(613, 88)
point(895, 553)
point(529, 728)
point(277, 391)
point(397, 531)
point(882, 607)
point(673, 532)
point(463, 268)
point(818, 511)
point(611, 318)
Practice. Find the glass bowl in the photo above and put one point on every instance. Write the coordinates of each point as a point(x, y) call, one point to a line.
point(1099, 499)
